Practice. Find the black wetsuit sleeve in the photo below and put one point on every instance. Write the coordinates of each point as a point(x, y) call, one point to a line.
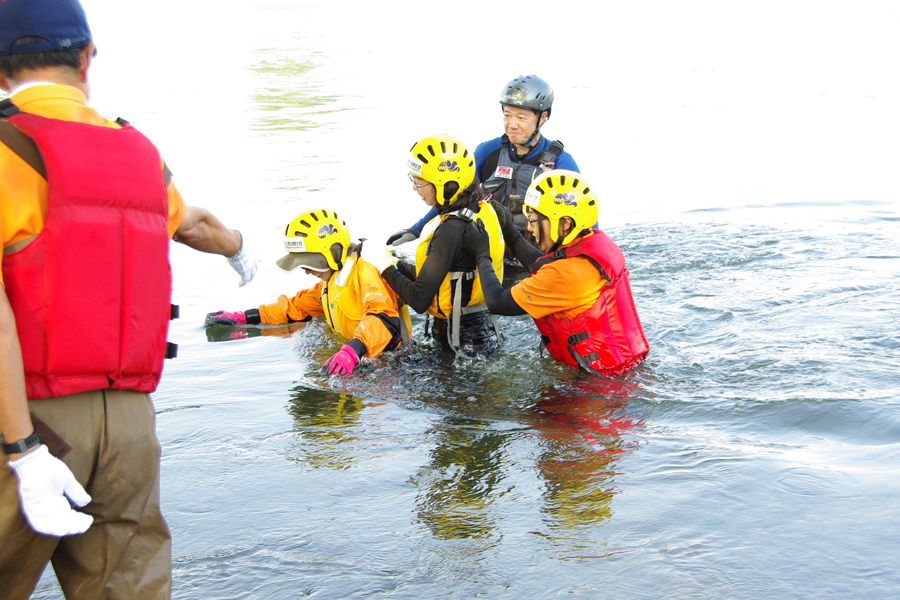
point(524, 251)
point(498, 299)
point(407, 269)
point(446, 253)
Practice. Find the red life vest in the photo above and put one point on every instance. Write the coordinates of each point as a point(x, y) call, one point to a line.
point(91, 293)
point(607, 338)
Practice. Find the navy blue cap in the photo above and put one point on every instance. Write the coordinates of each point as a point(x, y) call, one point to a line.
point(61, 22)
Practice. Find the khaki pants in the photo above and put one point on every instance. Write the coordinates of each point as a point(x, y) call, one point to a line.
point(115, 455)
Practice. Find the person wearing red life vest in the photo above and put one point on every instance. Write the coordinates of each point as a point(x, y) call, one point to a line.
point(87, 209)
point(577, 291)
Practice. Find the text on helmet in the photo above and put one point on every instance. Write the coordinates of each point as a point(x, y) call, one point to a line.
point(294, 245)
point(414, 166)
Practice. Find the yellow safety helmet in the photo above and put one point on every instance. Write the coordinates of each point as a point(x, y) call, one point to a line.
point(317, 240)
point(440, 159)
point(558, 193)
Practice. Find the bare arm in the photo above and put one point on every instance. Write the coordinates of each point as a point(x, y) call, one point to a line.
point(15, 421)
point(201, 230)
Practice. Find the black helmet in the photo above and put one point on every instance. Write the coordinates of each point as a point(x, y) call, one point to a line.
point(528, 91)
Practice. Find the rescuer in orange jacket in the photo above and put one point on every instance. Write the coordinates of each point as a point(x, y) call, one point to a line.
point(578, 292)
point(355, 300)
point(87, 207)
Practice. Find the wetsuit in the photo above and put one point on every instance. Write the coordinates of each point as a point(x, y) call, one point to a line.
point(428, 286)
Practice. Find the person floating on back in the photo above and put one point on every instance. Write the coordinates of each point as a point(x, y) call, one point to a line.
point(577, 291)
point(355, 300)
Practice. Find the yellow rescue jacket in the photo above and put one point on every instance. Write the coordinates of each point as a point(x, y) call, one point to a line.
point(351, 301)
point(441, 306)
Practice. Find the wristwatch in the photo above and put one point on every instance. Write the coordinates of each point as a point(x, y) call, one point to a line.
point(22, 445)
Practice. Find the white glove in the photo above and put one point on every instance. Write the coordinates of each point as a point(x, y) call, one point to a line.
point(378, 256)
point(244, 263)
point(44, 484)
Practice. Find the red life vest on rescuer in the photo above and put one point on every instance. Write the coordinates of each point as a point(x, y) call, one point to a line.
point(91, 293)
point(607, 338)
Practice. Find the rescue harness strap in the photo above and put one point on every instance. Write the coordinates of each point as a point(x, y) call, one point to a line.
point(20, 144)
point(459, 310)
point(564, 253)
point(25, 148)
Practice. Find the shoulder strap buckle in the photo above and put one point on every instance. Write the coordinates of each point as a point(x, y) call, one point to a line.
point(546, 260)
point(548, 158)
point(466, 213)
point(7, 108)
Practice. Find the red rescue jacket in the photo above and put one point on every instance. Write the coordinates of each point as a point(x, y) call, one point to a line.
point(91, 293)
point(607, 338)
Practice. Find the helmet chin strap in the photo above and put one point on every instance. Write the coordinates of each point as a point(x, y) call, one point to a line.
point(560, 238)
point(527, 144)
point(540, 234)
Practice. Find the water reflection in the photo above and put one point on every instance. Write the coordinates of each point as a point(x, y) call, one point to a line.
point(506, 435)
point(227, 333)
point(288, 94)
point(324, 421)
point(580, 431)
point(462, 479)
point(583, 433)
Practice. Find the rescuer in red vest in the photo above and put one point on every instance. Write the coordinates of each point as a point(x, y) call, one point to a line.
point(87, 209)
point(578, 291)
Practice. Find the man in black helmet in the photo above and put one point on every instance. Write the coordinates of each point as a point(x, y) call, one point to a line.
point(506, 165)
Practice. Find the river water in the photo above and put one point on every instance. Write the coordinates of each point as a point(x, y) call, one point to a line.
point(746, 161)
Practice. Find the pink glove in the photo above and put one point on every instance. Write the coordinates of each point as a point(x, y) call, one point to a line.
point(343, 362)
point(222, 317)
